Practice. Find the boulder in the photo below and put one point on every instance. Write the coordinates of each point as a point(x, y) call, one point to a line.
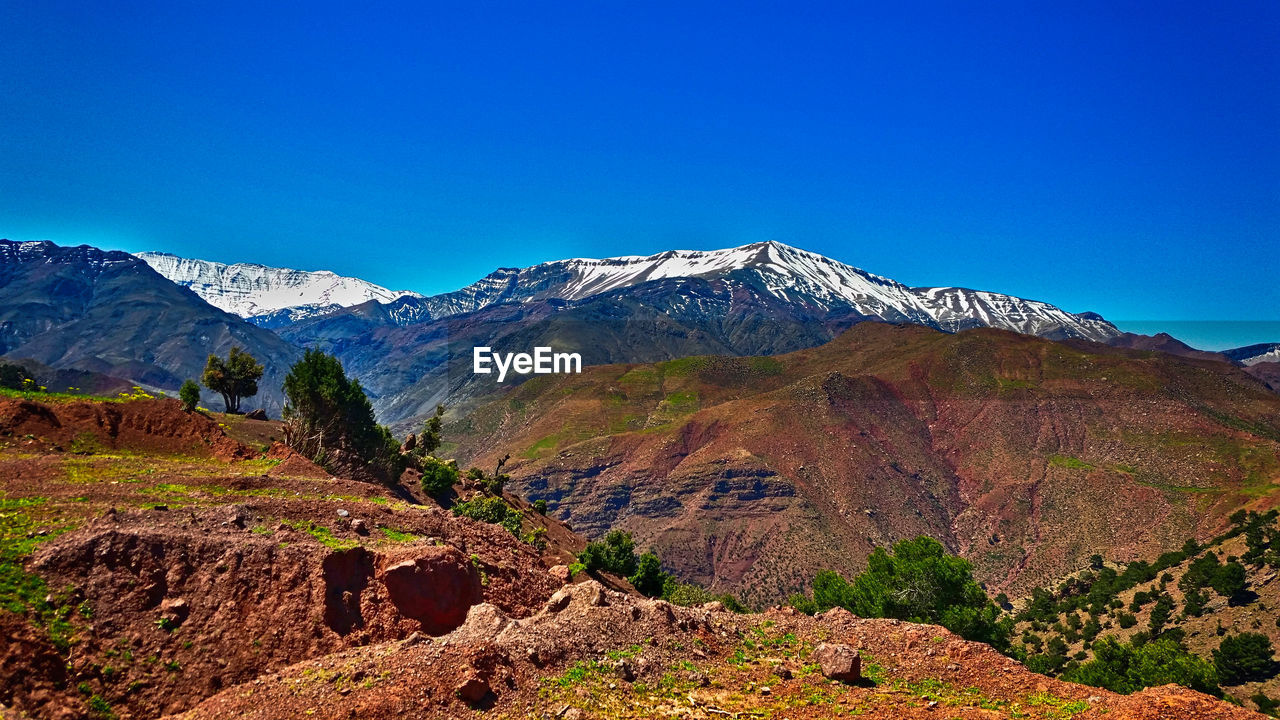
point(561, 573)
point(258, 414)
point(434, 585)
point(839, 662)
point(472, 689)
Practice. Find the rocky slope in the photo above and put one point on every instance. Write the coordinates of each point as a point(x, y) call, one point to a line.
point(1024, 455)
point(591, 653)
point(269, 297)
point(1200, 626)
point(156, 563)
point(109, 313)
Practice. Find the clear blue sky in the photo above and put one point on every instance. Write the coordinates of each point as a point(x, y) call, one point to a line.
point(1107, 156)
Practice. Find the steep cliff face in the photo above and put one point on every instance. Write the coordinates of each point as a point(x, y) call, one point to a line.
point(1025, 455)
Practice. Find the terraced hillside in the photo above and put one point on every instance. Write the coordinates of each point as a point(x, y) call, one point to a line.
point(1024, 455)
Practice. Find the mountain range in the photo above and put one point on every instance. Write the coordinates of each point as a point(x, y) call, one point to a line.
point(266, 296)
point(412, 352)
point(109, 313)
point(817, 284)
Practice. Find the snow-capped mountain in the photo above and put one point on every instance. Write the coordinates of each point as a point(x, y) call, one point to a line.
point(798, 277)
point(1254, 354)
point(268, 296)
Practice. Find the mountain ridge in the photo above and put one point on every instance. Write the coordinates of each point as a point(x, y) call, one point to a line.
point(816, 282)
point(264, 295)
point(109, 312)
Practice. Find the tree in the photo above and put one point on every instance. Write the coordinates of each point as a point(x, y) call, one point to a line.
point(1127, 667)
point(649, 579)
point(327, 413)
point(1229, 580)
point(1244, 657)
point(234, 378)
point(429, 438)
point(920, 582)
point(615, 554)
point(189, 394)
point(1160, 613)
point(15, 377)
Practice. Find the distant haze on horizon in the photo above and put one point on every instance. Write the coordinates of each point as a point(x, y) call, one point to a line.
point(1115, 159)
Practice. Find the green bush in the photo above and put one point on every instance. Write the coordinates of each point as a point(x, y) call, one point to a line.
point(1127, 668)
point(493, 510)
point(189, 394)
point(920, 582)
point(16, 377)
point(1244, 657)
point(540, 507)
point(615, 554)
point(649, 579)
point(438, 476)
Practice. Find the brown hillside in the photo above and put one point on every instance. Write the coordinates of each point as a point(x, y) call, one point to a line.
point(1024, 455)
point(137, 582)
point(592, 653)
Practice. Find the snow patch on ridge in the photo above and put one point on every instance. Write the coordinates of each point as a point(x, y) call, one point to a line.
point(251, 290)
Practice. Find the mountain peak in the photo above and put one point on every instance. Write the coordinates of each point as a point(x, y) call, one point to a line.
point(268, 295)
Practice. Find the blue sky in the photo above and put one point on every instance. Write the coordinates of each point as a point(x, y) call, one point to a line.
point(1107, 156)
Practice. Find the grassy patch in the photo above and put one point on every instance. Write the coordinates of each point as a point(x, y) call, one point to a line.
point(399, 536)
point(1071, 463)
point(681, 402)
point(22, 592)
point(321, 533)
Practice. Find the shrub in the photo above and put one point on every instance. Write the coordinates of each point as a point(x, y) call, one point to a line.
point(918, 582)
point(491, 510)
point(234, 378)
point(16, 377)
point(1229, 581)
point(1265, 704)
point(615, 554)
point(438, 476)
point(540, 507)
point(1244, 657)
point(1127, 668)
point(1127, 620)
point(189, 394)
point(536, 537)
